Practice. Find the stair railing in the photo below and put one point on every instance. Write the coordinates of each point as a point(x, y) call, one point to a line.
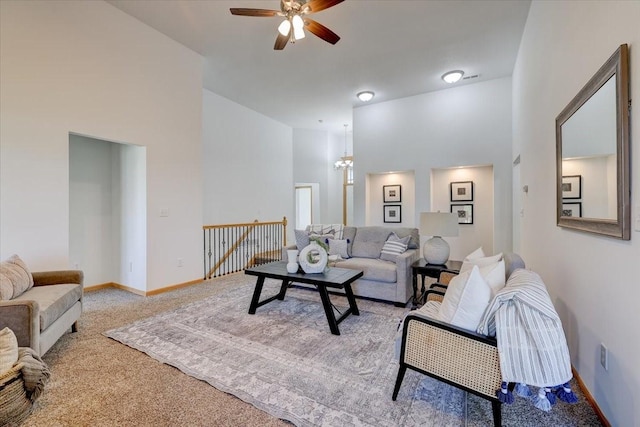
point(229, 248)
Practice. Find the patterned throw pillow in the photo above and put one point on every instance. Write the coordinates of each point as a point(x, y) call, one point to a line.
point(393, 247)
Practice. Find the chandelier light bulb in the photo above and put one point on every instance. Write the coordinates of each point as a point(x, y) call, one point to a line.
point(285, 27)
point(297, 22)
point(298, 33)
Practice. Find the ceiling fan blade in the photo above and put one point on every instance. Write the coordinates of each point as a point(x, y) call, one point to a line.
point(253, 12)
point(281, 42)
point(321, 31)
point(318, 5)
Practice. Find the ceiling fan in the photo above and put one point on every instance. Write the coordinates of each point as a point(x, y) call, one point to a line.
point(295, 20)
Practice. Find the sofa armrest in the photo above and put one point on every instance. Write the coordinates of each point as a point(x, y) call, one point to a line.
point(23, 318)
point(404, 288)
point(42, 278)
point(464, 358)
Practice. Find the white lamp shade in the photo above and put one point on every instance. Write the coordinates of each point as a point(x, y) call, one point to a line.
point(438, 224)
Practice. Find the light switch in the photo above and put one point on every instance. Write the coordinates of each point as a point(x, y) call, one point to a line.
point(164, 212)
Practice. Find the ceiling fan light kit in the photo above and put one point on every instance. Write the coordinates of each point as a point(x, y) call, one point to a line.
point(294, 13)
point(365, 96)
point(452, 76)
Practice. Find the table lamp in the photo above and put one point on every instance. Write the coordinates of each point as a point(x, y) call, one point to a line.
point(437, 225)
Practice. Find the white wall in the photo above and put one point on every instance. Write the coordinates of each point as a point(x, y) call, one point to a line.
point(247, 162)
point(480, 233)
point(593, 281)
point(375, 204)
point(466, 125)
point(90, 69)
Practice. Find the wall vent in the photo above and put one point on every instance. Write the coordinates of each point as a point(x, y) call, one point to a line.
point(475, 76)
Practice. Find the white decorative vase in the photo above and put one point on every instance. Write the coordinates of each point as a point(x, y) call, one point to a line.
point(292, 264)
point(313, 258)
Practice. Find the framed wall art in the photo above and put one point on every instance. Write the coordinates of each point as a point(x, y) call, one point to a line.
point(464, 212)
point(462, 191)
point(391, 193)
point(392, 213)
point(572, 209)
point(571, 187)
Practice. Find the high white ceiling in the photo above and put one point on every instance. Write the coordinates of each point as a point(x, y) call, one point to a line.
point(396, 48)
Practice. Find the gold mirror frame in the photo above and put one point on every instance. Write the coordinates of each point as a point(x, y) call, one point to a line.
point(617, 65)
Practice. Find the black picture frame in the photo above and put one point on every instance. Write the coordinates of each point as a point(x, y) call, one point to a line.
point(572, 209)
point(572, 187)
point(465, 213)
point(461, 191)
point(391, 193)
point(392, 213)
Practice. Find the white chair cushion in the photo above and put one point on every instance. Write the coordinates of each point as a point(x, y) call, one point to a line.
point(466, 299)
point(478, 253)
point(494, 275)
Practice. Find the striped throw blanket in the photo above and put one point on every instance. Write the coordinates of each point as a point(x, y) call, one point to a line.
point(531, 342)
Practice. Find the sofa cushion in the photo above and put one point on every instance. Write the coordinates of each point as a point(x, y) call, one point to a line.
point(15, 278)
point(53, 300)
point(494, 275)
point(8, 350)
point(393, 247)
point(372, 269)
point(369, 241)
point(466, 299)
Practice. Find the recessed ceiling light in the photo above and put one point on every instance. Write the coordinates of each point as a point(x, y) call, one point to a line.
point(452, 76)
point(365, 96)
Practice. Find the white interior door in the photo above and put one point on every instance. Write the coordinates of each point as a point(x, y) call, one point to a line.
point(304, 206)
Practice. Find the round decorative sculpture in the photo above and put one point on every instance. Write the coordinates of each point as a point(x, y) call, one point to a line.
point(436, 250)
point(292, 265)
point(313, 258)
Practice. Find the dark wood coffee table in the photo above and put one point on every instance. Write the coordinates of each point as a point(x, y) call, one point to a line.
point(339, 278)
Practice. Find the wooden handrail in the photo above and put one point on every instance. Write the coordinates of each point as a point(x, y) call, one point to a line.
point(249, 227)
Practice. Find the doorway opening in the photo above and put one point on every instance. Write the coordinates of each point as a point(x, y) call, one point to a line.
point(107, 211)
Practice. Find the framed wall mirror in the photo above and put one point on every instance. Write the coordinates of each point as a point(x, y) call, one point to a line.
point(592, 143)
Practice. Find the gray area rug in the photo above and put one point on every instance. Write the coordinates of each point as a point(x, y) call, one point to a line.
point(285, 361)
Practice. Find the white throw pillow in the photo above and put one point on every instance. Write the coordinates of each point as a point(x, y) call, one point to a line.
point(466, 299)
point(480, 262)
point(478, 253)
point(8, 350)
point(494, 275)
point(338, 247)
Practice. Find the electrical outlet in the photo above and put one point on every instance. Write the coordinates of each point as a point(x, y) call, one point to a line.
point(604, 357)
point(180, 262)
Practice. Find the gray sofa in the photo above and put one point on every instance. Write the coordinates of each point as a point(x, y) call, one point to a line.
point(47, 309)
point(382, 280)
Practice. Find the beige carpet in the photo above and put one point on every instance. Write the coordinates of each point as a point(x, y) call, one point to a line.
point(97, 381)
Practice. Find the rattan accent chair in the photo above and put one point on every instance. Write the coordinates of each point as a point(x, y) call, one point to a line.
point(459, 357)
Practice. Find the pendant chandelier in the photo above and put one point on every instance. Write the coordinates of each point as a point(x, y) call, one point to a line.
point(345, 162)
